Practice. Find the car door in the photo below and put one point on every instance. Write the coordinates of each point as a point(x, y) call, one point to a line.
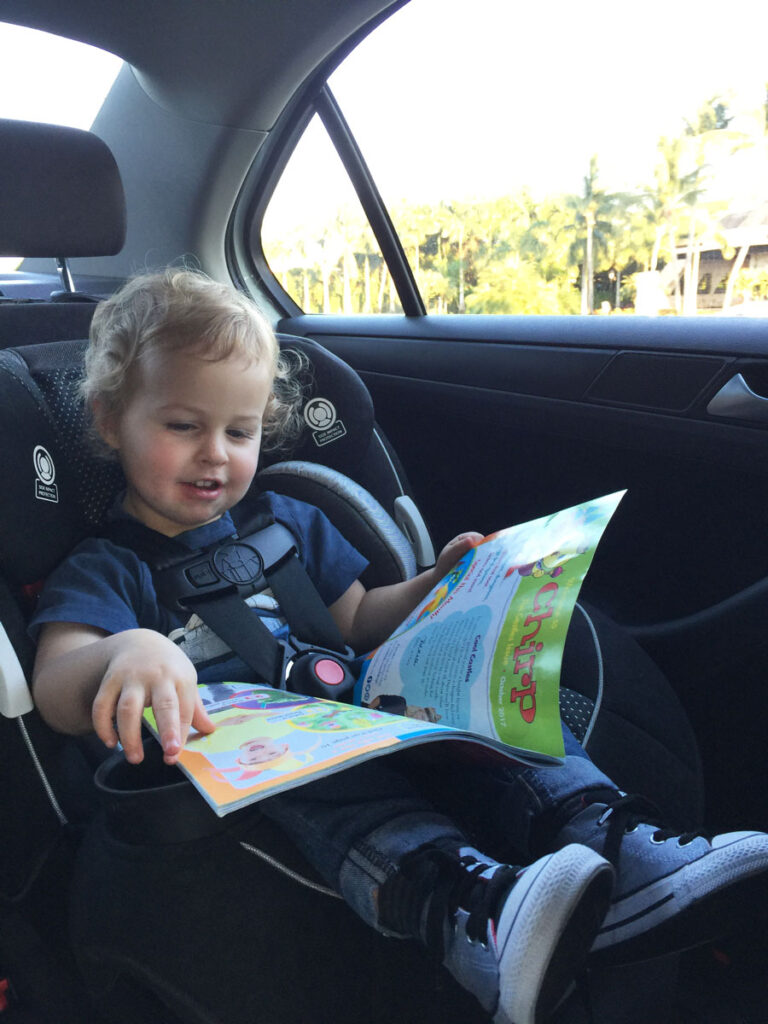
point(502, 418)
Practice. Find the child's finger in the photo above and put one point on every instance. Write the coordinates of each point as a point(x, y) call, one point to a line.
point(103, 716)
point(128, 717)
point(455, 549)
point(467, 540)
point(201, 720)
point(165, 705)
point(192, 714)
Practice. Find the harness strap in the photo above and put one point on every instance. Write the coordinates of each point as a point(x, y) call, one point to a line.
point(213, 583)
point(304, 609)
point(243, 632)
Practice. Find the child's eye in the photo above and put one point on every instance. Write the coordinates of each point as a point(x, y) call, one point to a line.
point(240, 435)
point(179, 427)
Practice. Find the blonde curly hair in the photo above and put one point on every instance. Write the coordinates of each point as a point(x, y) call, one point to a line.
point(178, 309)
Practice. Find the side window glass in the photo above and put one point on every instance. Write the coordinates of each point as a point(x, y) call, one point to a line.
point(317, 240)
point(524, 176)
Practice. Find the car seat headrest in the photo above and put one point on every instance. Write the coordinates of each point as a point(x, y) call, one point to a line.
point(60, 193)
point(337, 411)
point(58, 488)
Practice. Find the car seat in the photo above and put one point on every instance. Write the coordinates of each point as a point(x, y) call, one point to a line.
point(57, 491)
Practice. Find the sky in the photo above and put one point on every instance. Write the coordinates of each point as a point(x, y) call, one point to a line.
point(46, 78)
point(476, 98)
point(523, 93)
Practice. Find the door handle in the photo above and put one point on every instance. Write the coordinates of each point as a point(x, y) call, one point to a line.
point(738, 401)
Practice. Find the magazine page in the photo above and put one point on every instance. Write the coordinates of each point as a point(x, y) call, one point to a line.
point(483, 651)
point(270, 740)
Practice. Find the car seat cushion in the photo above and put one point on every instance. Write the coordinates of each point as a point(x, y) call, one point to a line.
point(354, 512)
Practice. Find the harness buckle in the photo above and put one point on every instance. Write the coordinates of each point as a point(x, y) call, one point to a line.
point(317, 671)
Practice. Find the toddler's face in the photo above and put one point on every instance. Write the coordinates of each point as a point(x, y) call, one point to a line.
point(260, 749)
point(189, 438)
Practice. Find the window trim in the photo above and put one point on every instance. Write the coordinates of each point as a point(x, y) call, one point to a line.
point(370, 199)
point(243, 247)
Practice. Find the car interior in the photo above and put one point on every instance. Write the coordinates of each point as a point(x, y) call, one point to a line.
point(454, 422)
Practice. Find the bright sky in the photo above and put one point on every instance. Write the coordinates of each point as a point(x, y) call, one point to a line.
point(46, 78)
point(512, 93)
point(480, 97)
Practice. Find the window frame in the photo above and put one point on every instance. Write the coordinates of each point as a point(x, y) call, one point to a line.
point(243, 245)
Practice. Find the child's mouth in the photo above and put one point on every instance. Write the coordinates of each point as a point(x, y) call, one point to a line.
point(206, 486)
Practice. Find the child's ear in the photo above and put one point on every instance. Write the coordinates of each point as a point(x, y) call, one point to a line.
point(105, 423)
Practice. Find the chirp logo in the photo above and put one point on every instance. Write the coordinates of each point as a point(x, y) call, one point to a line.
point(320, 416)
point(45, 488)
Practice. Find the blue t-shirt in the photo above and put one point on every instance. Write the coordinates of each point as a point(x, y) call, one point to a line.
point(106, 585)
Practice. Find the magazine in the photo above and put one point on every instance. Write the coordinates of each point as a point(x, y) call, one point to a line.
point(483, 651)
point(476, 665)
point(269, 740)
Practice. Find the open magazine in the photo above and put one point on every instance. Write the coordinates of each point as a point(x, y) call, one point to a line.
point(477, 664)
point(483, 650)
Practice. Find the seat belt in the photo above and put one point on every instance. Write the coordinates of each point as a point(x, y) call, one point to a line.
point(214, 582)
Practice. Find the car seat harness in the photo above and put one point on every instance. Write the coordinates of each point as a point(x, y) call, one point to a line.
point(214, 583)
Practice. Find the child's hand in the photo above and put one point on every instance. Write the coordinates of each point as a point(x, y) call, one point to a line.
point(367, 617)
point(148, 670)
point(453, 551)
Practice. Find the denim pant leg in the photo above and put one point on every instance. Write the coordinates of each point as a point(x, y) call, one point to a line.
point(533, 791)
point(498, 805)
point(355, 827)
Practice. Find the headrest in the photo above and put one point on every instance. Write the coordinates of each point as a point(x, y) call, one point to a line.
point(60, 193)
point(338, 411)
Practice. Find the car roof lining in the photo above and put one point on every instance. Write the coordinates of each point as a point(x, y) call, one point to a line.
point(185, 64)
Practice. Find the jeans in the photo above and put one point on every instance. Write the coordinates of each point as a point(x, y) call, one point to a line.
point(356, 826)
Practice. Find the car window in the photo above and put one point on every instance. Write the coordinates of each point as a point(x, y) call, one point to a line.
point(552, 159)
point(44, 77)
point(318, 243)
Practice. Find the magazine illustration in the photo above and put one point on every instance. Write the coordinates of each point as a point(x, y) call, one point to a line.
point(483, 651)
point(269, 740)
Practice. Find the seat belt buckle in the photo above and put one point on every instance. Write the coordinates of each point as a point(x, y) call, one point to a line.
point(318, 672)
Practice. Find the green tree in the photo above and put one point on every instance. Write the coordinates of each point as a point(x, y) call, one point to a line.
point(592, 214)
point(671, 193)
point(759, 141)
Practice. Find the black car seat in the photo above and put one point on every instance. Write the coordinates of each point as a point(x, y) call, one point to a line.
point(57, 491)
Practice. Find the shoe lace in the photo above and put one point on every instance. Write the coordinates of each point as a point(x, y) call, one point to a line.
point(625, 813)
point(456, 882)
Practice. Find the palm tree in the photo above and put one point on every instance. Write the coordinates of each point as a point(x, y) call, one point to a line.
point(710, 143)
point(592, 215)
point(452, 216)
point(666, 200)
point(755, 216)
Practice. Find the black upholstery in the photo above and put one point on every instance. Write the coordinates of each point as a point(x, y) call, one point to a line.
point(33, 323)
point(60, 192)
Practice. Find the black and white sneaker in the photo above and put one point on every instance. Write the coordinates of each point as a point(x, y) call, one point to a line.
point(513, 937)
point(672, 891)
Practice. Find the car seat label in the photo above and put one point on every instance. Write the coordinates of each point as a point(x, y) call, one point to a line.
point(45, 488)
point(320, 417)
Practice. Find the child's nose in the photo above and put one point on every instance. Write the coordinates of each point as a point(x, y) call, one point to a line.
point(214, 450)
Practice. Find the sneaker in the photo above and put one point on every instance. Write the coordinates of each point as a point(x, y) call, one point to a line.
point(672, 891)
point(513, 937)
